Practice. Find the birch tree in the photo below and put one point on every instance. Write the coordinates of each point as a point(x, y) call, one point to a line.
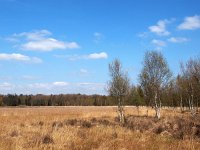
point(190, 72)
point(154, 77)
point(180, 91)
point(118, 86)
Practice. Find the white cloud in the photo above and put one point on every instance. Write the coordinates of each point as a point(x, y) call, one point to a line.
point(48, 44)
point(160, 28)
point(40, 40)
point(75, 57)
point(34, 35)
point(13, 56)
point(12, 39)
point(159, 43)
point(53, 88)
point(83, 73)
point(101, 55)
point(98, 37)
point(178, 39)
point(6, 85)
point(190, 23)
point(60, 83)
point(19, 57)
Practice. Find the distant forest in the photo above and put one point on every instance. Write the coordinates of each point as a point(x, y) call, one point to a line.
point(136, 97)
point(157, 87)
point(62, 100)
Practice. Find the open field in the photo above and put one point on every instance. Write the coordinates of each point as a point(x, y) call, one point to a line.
point(96, 128)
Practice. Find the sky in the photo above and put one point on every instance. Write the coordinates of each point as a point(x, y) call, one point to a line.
point(65, 46)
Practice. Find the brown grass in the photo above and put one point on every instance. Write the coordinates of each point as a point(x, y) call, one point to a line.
point(85, 128)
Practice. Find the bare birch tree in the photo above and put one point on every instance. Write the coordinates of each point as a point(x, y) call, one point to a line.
point(118, 86)
point(154, 77)
point(180, 91)
point(190, 73)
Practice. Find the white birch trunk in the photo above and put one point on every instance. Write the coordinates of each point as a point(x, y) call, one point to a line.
point(157, 107)
point(158, 113)
point(121, 112)
point(181, 104)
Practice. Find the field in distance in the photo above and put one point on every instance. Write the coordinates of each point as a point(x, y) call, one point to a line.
point(91, 127)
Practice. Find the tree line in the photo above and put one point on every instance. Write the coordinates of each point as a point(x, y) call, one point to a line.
point(60, 100)
point(156, 87)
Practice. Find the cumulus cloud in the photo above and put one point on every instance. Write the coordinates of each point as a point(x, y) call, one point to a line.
point(34, 35)
point(190, 23)
point(6, 85)
point(101, 55)
point(41, 40)
point(19, 57)
point(48, 44)
point(57, 87)
point(83, 73)
point(178, 39)
point(160, 28)
point(12, 39)
point(159, 43)
point(60, 83)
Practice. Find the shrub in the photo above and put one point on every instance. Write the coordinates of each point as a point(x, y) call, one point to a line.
point(104, 122)
point(14, 134)
point(71, 122)
point(41, 123)
point(57, 124)
point(93, 120)
point(47, 139)
point(86, 124)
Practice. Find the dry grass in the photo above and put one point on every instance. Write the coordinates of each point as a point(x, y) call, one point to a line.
point(88, 128)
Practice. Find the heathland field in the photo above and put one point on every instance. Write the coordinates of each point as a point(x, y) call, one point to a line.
point(88, 127)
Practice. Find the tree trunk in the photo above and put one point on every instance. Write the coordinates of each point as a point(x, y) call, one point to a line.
point(158, 112)
point(121, 112)
point(192, 104)
point(157, 107)
point(181, 104)
point(189, 103)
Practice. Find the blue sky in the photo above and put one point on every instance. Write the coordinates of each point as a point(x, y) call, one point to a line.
point(64, 46)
